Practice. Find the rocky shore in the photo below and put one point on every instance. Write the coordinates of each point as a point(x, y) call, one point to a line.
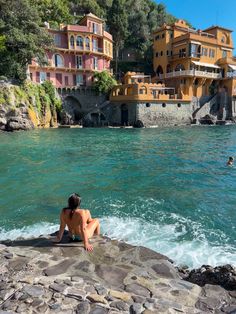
point(26, 107)
point(37, 276)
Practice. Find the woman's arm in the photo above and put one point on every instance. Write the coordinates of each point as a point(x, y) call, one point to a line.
point(61, 230)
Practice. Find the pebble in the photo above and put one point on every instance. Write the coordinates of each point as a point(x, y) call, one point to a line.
point(77, 279)
point(96, 298)
point(8, 255)
point(34, 291)
point(120, 305)
point(58, 287)
point(137, 289)
point(83, 308)
point(136, 308)
point(68, 282)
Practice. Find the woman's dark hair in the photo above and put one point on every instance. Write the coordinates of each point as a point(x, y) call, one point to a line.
point(73, 202)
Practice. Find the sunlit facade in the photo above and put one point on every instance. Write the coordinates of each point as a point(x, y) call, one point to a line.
point(80, 51)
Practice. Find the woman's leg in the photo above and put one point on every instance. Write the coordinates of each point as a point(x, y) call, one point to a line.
point(93, 227)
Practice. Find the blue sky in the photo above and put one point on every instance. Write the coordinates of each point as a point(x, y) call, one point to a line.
point(204, 13)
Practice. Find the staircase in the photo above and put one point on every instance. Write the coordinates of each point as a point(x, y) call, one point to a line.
point(96, 109)
point(208, 112)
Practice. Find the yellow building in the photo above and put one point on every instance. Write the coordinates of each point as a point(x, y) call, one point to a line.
point(194, 62)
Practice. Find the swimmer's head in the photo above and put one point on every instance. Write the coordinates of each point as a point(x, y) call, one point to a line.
point(231, 158)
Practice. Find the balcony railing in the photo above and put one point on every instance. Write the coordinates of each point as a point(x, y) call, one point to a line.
point(180, 73)
point(96, 49)
point(191, 73)
point(231, 74)
point(208, 74)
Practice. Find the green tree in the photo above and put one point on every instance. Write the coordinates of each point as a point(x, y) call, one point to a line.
point(103, 82)
point(54, 12)
point(2, 43)
point(81, 7)
point(118, 25)
point(23, 37)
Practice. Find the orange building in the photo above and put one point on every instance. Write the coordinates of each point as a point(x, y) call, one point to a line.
point(195, 62)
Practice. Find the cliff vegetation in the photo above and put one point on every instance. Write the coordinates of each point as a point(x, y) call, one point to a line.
point(28, 106)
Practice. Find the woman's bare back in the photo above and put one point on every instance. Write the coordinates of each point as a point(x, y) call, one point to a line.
point(77, 221)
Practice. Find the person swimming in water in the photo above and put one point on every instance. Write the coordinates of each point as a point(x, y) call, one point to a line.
point(230, 162)
point(79, 222)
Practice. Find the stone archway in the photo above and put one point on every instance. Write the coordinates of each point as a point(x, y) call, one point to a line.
point(72, 110)
point(124, 115)
point(159, 70)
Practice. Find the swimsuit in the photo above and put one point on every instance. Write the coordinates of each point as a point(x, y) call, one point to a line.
point(76, 238)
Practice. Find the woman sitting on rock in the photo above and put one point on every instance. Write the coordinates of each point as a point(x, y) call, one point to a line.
point(79, 222)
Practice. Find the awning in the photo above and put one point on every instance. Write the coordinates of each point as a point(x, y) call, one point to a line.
point(233, 67)
point(140, 76)
point(195, 42)
point(208, 65)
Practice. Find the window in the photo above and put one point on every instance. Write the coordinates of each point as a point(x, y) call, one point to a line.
point(58, 61)
point(182, 52)
point(157, 37)
point(31, 76)
point(95, 45)
point(161, 53)
point(157, 54)
point(224, 53)
point(66, 81)
point(80, 42)
point(87, 43)
point(57, 40)
point(58, 78)
point(79, 62)
point(148, 104)
point(95, 63)
point(48, 76)
point(223, 39)
point(95, 28)
point(79, 79)
point(179, 105)
point(171, 34)
point(194, 50)
point(72, 41)
point(163, 35)
point(167, 52)
point(164, 105)
point(212, 53)
point(204, 52)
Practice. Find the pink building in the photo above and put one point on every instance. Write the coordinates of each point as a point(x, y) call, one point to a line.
point(80, 51)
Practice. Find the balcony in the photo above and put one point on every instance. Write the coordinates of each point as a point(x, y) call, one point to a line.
point(197, 73)
point(231, 74)
point(96, 49)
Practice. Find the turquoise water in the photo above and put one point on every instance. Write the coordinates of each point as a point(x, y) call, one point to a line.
point(168, 189)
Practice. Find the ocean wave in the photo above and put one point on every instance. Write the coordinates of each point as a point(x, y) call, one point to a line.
point(32, 231)
point(167, 239)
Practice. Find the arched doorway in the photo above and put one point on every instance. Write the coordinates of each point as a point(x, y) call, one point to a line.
point(159, 70)
point(124, 114)
point(72, 110)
